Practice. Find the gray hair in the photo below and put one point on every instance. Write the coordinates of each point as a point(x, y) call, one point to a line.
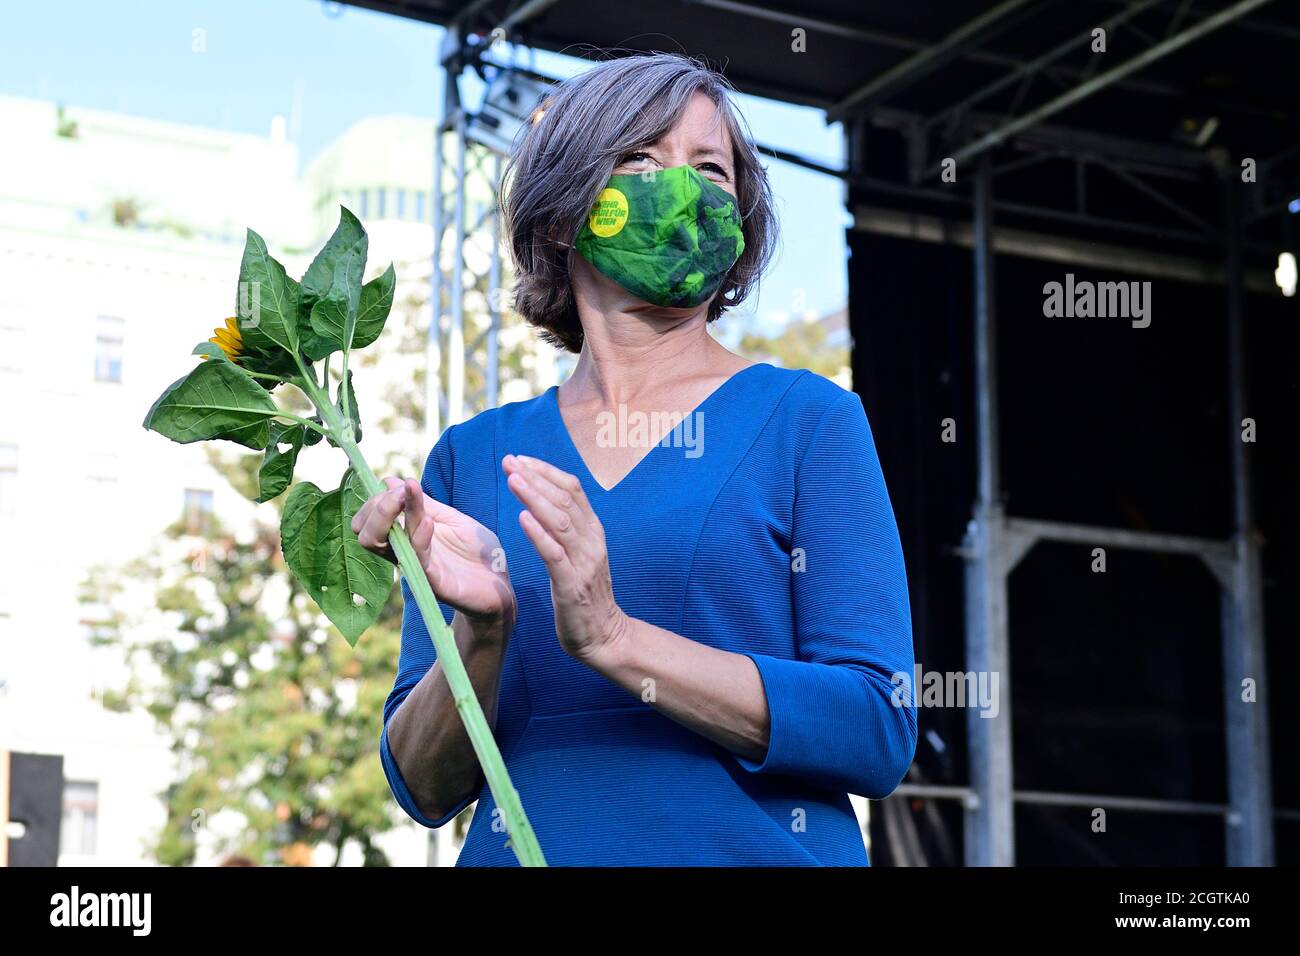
point(566, 156)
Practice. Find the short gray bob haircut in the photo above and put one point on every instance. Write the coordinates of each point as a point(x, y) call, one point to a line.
point(563, 159)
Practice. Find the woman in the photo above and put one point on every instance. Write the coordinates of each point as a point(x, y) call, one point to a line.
point(675, 580)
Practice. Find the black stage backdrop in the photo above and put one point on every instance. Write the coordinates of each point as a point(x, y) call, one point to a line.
point(1116, 677)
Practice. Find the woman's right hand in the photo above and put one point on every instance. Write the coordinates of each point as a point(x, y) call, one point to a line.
point(464, 561)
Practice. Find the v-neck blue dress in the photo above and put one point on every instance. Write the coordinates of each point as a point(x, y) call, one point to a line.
point(761, 525)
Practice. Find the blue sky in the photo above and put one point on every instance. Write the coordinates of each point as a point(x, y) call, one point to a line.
point(325, 66)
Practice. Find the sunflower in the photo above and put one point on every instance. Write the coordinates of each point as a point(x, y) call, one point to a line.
point(229, 339)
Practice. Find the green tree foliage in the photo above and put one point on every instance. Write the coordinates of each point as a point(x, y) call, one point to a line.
point(272, 717)
point(810, 345)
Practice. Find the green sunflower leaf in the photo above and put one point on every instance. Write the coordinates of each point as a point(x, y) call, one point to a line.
point(211, 350)
point(277, 466)
point(319, 277)
point(215, 400)
point(373, 306)
point(352, 405)
point(349, 583)
point(267, 304)
point(313, 436)
point(334, 315)
point(372, 310)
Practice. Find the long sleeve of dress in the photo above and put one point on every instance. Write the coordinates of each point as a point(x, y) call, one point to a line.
point(417, 654)
point(838, 716)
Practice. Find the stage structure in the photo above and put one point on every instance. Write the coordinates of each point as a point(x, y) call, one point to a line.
point(470, 143)
point(951, 124)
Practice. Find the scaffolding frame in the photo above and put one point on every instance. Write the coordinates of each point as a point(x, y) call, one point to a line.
point(995, 542)
point(462, 166)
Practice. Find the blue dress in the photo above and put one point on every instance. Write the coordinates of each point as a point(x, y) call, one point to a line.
point(760, 526)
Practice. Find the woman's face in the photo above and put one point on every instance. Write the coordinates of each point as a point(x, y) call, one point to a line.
point(699, 139)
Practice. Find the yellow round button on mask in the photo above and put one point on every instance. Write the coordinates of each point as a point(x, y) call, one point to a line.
point(608, 213)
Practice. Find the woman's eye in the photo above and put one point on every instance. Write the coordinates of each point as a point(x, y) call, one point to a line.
point(632, 159)
point(714, 169)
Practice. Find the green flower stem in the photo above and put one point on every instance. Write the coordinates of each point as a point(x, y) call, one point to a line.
point(522, 838)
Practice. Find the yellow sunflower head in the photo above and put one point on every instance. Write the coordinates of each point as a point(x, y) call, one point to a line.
point(229, 340)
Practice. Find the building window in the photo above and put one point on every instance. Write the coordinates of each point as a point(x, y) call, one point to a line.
point(108, 348)
point(382, 211)
point(8, 478)
point(198, 511)
point(401, 204)
point(80, 818)
point(421, 200)
point(363, 212)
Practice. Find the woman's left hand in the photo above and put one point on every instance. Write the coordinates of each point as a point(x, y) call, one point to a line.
point(562, 526)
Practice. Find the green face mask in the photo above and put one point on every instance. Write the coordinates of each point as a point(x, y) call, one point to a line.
point(669, 238)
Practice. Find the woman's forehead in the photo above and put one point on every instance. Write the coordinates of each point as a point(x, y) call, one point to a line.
point(701, 124)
